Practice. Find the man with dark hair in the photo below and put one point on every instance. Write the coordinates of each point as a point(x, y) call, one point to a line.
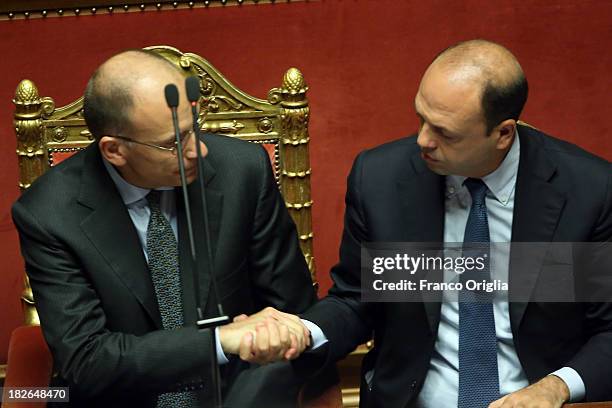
point(472, 174)
point(111, 271)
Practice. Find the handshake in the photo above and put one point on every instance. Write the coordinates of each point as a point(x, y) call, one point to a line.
point(265, 337)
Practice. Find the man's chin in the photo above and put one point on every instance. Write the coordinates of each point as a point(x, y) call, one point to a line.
point(190, 176)
point(437, 168)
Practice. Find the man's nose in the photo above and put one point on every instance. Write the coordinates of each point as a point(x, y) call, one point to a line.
point(425, 139)
point(189, 144)
point(190, 149)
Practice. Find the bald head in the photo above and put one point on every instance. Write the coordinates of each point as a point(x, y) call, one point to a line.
point(119, 84)
point(493, 69)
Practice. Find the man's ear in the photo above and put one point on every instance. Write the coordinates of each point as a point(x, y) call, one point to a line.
point(112, 150)
point(505, 134)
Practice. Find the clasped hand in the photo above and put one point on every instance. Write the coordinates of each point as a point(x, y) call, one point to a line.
point(265, 337)
point(549, 392)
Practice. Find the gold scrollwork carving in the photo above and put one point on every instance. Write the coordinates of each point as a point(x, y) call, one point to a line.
point(265, 125)
point(87, 134)
point(213, 106)
point(47, 107)
point(232, 127)
point(293, 91)
point(275, 96)
point(59, 134)
point(185, 62)
point(207, 85)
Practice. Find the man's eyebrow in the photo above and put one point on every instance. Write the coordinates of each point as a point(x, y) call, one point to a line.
point(414, 104)
point(183, 133)
point(416, 110)
point(423, 118)
point(171, 138)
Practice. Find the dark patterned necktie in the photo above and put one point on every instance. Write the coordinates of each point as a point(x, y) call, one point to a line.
point(478, 375)
point(162, 251)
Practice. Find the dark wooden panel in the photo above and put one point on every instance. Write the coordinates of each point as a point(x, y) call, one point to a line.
point(36, 5)
point(39, 5)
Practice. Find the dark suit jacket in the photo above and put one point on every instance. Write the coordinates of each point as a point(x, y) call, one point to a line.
point(93, 290)
point(563, 194)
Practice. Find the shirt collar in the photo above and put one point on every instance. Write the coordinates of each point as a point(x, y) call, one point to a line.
point(501, 181)
point(129, 193)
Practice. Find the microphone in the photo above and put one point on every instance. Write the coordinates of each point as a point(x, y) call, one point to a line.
point(172, 99)
point(192, 86)
point(172, 96)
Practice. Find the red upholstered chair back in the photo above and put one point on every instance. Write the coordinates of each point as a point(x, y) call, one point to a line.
point(29, 363)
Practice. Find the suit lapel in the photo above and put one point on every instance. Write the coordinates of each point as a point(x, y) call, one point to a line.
point(110, 229)
point(214, 201)
point(422, 196)
point(537, 208)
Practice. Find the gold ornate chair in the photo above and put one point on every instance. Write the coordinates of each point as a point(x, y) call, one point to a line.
point(47, 134)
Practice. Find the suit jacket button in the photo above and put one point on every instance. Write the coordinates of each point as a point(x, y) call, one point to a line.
point(413, 384)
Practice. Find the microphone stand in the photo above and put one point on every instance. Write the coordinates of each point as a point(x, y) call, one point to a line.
point(210, 323)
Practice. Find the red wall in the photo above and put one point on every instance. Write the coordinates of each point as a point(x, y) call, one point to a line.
point(362, 60)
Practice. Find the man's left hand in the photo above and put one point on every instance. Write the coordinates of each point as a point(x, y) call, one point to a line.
point(549, 392)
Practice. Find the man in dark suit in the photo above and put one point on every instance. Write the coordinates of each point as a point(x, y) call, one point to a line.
point(113, 288)
point(472, 174)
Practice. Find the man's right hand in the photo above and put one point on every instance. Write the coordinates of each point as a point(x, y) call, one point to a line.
point(265, 337)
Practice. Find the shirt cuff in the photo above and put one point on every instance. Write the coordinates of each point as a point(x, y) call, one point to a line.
point(318, 338)
point(574, 383)
point(221, 358)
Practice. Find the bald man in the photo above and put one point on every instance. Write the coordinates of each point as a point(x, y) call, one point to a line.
point(473, 174)
point(113, 287)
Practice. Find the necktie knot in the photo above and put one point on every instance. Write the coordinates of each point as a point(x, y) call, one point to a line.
point(478, 190)
point(154, 198)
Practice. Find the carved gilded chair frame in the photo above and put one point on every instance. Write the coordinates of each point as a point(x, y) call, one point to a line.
point(46, 134)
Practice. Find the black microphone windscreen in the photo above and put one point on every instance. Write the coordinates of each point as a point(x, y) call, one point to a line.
point(192, 85)
point(172, 95)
